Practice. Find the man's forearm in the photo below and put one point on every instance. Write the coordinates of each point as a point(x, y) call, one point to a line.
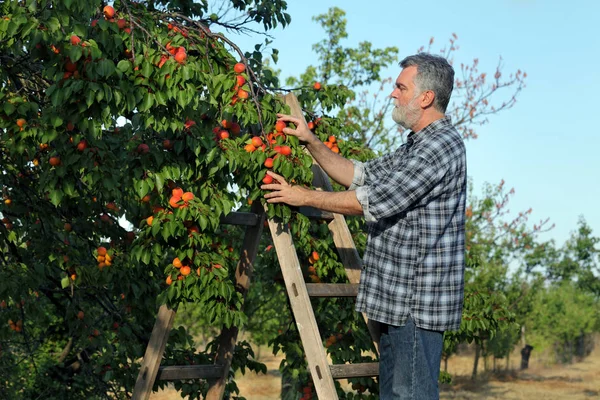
point(344, 203)
point(337, 167)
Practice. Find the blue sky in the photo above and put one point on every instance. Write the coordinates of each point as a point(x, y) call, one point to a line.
point(546, 147)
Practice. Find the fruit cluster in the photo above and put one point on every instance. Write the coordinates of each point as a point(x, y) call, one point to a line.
point(331, 142)
point(312, 272)
point(177, 196)
point(183, 270)
point(226, 128)
point(104, 259)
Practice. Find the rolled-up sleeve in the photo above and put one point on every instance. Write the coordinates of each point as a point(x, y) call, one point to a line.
point(358, 179)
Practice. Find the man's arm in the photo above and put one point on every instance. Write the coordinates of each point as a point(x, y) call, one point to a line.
point(344, 203)
point(337, 167)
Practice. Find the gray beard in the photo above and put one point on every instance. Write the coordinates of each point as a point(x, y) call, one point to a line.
point(405, 116)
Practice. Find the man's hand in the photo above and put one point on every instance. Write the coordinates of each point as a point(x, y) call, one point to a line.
point(301, 132)
point(283, 192)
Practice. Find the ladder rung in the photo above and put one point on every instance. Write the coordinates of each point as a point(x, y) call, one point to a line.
point(240, 218)
point(181, 372)
point(315, 213)
point(332, 289)
point(343, 371)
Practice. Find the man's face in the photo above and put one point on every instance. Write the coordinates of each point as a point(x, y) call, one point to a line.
point(407, 110)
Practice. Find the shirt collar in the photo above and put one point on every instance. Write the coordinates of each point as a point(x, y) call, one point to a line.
point(434, 126)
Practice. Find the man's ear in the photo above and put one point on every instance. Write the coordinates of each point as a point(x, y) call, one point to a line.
point(427, 99)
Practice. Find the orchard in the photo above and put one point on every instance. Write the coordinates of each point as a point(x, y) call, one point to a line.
point(127, 132)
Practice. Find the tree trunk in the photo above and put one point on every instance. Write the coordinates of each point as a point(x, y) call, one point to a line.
point(476, 361)
point(525, 353)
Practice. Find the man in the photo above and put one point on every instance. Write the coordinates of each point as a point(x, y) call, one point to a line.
point(414, 203)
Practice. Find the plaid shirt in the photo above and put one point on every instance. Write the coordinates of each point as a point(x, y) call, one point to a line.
point(414, 204)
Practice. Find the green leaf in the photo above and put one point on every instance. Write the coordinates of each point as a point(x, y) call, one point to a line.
point(9, 108)
point(160, 181)
point(53, 24)
point(141, 188)
point(106, 68)
point(75, 53)
point(65, 282)
point(124, 66)
point(56, 197)
point(146, 103)
point(56, 121)
point(146, 69)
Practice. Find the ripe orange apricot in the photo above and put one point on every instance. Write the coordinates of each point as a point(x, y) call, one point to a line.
point(54, 161)
point(249, 148)
point(242, 94)
point(269, 162)
point(109, 12)
point(149, 220)
point(75, 40)
point(174, 200)
point(177, 262)
point(177, 192)
point(223, 134)
point(21, 122)
point(185, 270)
point(286, 150)
point(257, 141)
point(315, 255)
point(102, 251)
point(169, 280)
point(267, 179)
point(181, 55)
point(239, 68)
point(279, 126)
point(317, 86)
point(187, 196)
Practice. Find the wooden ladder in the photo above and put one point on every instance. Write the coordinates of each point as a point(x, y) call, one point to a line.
point(299, 293)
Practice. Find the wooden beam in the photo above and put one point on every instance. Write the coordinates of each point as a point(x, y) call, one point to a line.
point(303, 312)
point(240, 218)
point(154, 353)
point(243, 273)
point(315, 213)
point(344, 371)
point(332, 289)
point(181, 372)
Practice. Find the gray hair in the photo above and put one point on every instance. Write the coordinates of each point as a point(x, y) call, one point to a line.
point(433, 73)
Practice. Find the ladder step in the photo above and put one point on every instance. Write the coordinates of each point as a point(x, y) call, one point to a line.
point(344, 371)
point(315, 213)
point(240, 218)
point(181, 372)
point(332, 289)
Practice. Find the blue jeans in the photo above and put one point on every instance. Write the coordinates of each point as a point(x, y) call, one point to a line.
point(409, 362)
